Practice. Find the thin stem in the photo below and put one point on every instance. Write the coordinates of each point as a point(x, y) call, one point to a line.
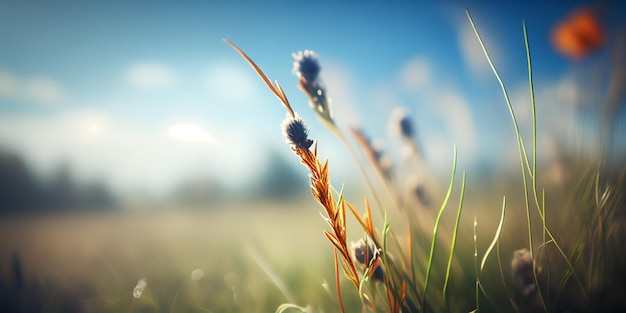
point(454, 235)
point(436, 228)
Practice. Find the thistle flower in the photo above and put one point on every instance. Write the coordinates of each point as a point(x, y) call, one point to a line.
point(401, 124)
point(307, 68)
point(305, 65)
point(368, 256)
point(522, 269)
point(296, 133)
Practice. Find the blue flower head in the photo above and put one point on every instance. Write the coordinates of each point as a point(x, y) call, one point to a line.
point(306, 66)
point(406, 127)
point(401, 123)
point(296, 133)
point(365, 253)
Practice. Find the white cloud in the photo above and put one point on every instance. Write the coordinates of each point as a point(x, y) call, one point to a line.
point(42, 89)
point(555, 103)
point(456, 111)
point(9, 84)
point(191, 133)
point(472, 52)
point(151, 76)
point(129, 156)
point(339, 82)
point(236, 85)
point(415, 75)
point(558, 113)
point(442, 102)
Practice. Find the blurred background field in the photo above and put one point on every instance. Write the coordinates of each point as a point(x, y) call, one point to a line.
point(136, 146)
point(192, 260)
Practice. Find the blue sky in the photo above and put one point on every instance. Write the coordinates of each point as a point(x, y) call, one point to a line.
point(102, 85)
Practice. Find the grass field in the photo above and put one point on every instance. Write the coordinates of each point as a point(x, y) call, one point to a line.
point(254, 258)
point(557, 248)
point(92, 262)
point(217, 260)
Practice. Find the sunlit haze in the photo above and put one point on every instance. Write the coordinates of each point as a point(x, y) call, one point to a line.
point(144, 94)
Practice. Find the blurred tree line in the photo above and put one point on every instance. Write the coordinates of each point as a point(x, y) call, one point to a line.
point(23, 191)
point(279, 180)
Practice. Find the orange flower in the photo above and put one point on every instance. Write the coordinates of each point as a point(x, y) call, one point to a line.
point(578, 35)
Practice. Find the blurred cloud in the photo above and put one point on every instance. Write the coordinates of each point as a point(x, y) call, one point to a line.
point(151, 76)
point(340, 83)
point(471, 51)
point(191, 133)
point(131, 157)
point(39, 89)
point(232, 84)
point(8, 84)
point(563, 117)
point(444, 104)
point(455, 109)
point(415, 74)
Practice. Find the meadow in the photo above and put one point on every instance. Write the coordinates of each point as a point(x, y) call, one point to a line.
point(258, 257)
point(541, 237)
point(193, 261)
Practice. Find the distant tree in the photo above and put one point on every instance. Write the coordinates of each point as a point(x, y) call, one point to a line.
point(61, 191)
point(22, 191)
point(280, 180)
point(200, 192)
point(96, 195)
point(19, 189)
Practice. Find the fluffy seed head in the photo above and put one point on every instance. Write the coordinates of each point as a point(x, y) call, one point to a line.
point(365, 253)
point(139, 288)
point(522, 270)
point(296, 133)
point(306, 66)
point(400, 123)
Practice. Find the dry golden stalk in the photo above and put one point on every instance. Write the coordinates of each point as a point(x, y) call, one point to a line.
point(295, 133)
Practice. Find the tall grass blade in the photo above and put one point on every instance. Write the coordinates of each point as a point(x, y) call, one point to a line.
point(288, 306)
point(540, 207)
point(454, 235)
point(436, 228)
point(477, 283)
point(277, 91)
point(520, 142)
point(337, 283)
point(504, 284)
point(267, 269)
point(496, 237)
point(174, 301)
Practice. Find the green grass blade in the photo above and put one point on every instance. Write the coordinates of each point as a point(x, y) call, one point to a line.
point(288, 306)
point(534, 111)
point(540, 207)
point(436, 228)
point(273, 276)
point(476, 265)
point(520, 142)
point(504, 284)
point(496, 237)
point(454, 235)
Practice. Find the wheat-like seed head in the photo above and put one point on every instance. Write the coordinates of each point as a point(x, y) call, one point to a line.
point(295, 133)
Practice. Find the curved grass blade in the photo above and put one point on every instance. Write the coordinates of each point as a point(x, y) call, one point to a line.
point(454, 235)
point(436, 228)
point(496, 237)
point(477, 284)
point(288, 306)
